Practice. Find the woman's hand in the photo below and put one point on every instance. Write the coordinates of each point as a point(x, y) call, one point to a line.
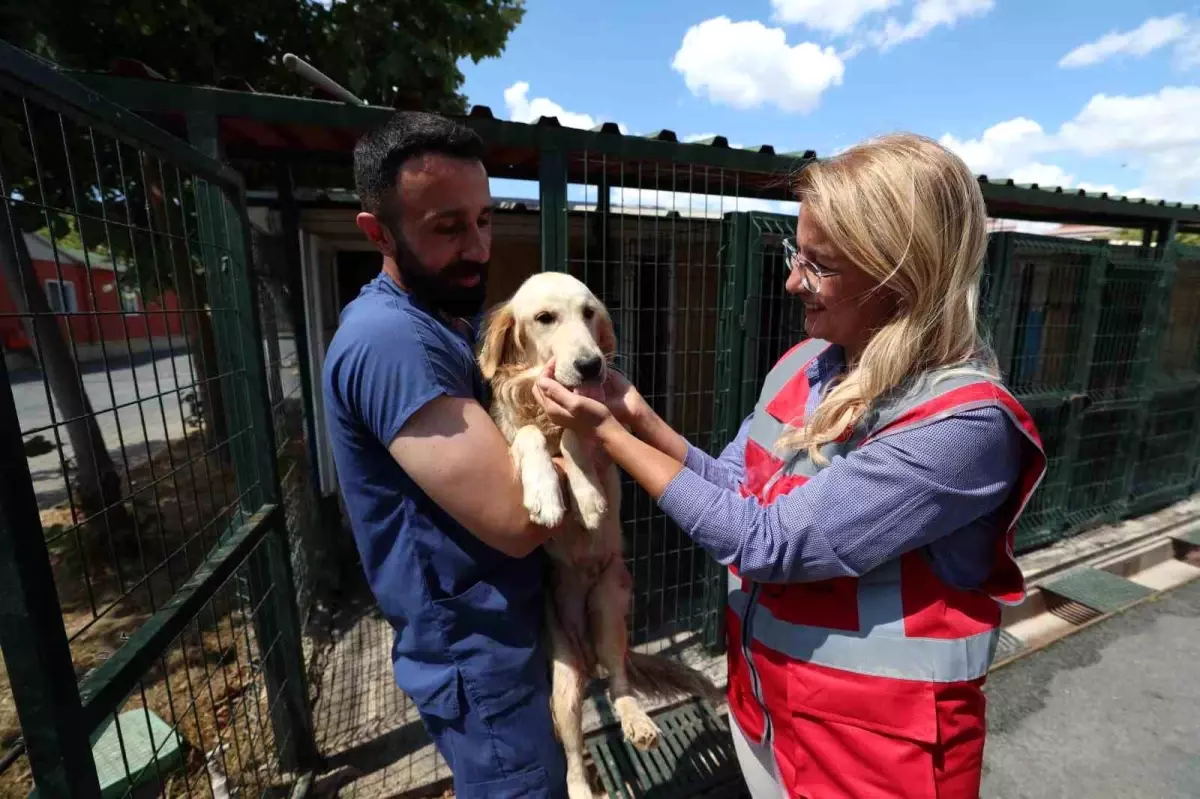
point(585, 416)
point(624, 401)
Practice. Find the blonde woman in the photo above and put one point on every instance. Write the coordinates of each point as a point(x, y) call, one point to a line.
point(866, 508)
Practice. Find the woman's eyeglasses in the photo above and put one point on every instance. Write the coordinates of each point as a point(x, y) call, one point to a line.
point(811, 272)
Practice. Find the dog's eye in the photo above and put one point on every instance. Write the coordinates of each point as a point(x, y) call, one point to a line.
point(544, 318)
point(588, 313)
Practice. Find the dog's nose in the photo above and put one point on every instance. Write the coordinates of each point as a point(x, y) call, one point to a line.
point(589, 368)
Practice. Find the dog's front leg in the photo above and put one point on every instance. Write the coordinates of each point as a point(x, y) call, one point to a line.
point(583, 481)
point(539, 480)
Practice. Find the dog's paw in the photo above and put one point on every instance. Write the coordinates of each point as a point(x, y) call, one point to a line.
point(591, 507)
point(639, 729)
point(543, 500)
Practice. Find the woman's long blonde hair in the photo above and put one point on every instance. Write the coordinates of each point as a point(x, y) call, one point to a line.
point(909, 213)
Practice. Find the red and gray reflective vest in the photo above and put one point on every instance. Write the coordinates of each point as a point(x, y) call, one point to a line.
point(880, 650)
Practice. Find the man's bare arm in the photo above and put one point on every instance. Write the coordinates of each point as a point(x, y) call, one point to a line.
point(453, 450)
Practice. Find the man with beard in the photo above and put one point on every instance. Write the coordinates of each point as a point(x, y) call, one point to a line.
point(431, 492)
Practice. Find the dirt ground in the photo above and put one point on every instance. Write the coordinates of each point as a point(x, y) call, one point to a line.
point(208, 685)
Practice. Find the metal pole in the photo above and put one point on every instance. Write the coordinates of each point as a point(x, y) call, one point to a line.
point(32, 634)
point(318, 78)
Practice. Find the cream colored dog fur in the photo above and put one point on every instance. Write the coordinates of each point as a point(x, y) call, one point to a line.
point(553, 315)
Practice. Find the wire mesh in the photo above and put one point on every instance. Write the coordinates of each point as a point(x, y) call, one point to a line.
point(1044, 517)
point(1048, 308)
point(1163, 469)
point(646, 237)
point(129, 368)
point(1119, 360)
point(277, 308)
point(1102, 461)
point(776, 322)
point(198, 723)
point(1180, 354)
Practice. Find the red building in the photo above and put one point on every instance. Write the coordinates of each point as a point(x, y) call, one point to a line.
point(86, 292)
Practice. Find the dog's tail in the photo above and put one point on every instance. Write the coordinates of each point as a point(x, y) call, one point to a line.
point(658, 677)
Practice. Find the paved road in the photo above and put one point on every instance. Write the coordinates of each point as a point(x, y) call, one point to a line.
point(150, 409)
point(1113, 711)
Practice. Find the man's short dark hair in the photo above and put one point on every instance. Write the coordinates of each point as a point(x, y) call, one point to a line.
point(379, 153)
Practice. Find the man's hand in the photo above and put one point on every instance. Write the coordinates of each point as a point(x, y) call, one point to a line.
point(452, 442)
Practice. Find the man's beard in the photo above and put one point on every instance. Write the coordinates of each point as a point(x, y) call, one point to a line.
point(440, 289)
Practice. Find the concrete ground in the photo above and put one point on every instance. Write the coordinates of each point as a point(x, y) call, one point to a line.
point(1112, 711)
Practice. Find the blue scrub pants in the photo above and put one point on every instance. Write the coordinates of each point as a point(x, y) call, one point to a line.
point(511, 753)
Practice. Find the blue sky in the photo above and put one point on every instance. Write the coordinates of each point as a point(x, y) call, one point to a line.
point(1100, 94)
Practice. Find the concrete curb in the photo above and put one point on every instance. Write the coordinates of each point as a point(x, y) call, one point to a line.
point(1147, 551)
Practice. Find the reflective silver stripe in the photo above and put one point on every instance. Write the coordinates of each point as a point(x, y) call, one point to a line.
point(880, 601)
point(876, 652)
point(786, 369)
point(746, 615)
point(927, 387)
point(765, 430)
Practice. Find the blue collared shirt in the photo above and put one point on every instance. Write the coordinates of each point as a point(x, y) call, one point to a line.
point(460, 608)
point(940, 486)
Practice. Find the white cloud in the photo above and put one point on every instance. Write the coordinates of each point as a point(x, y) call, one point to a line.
point(1001, 148)
point(522, 109)
point(1151, 35)
point(748, 65)
point(1152, 122)
point(1042, 174)
point(1157, 134)
point(926, 16)
point(831, 16)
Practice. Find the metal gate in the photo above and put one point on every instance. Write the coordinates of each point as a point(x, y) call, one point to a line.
point(759, 322)
point(1099, 342)
point(147, 615)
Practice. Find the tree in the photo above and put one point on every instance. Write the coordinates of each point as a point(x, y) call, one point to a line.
point(1133, 234)
point(389, 52)
point(392, 52)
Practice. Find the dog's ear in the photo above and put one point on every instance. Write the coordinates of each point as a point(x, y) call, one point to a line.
point(606, 337)
point(499, 340)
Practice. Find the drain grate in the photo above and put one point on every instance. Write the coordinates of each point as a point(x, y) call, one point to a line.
point(1071, 611)
point(694, 756)
point(1096, 589)
point(1007, 646)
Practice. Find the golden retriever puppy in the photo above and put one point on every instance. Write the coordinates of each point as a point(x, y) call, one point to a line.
point(554, 315)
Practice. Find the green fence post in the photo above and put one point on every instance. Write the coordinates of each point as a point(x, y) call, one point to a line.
point(1147, 379)
point(731, 332)
point(278, 621)
point(1000, 295)
point(749, 318)
point(1097, 277)
point(36, 652)
point(552, 198)
point(727, 403)
point(239, 347)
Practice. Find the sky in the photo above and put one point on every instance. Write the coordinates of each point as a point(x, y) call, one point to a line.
point(1095, 94)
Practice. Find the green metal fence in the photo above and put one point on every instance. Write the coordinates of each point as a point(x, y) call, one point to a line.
point(150, 630)
point(280, 307)
point(1099, 341)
